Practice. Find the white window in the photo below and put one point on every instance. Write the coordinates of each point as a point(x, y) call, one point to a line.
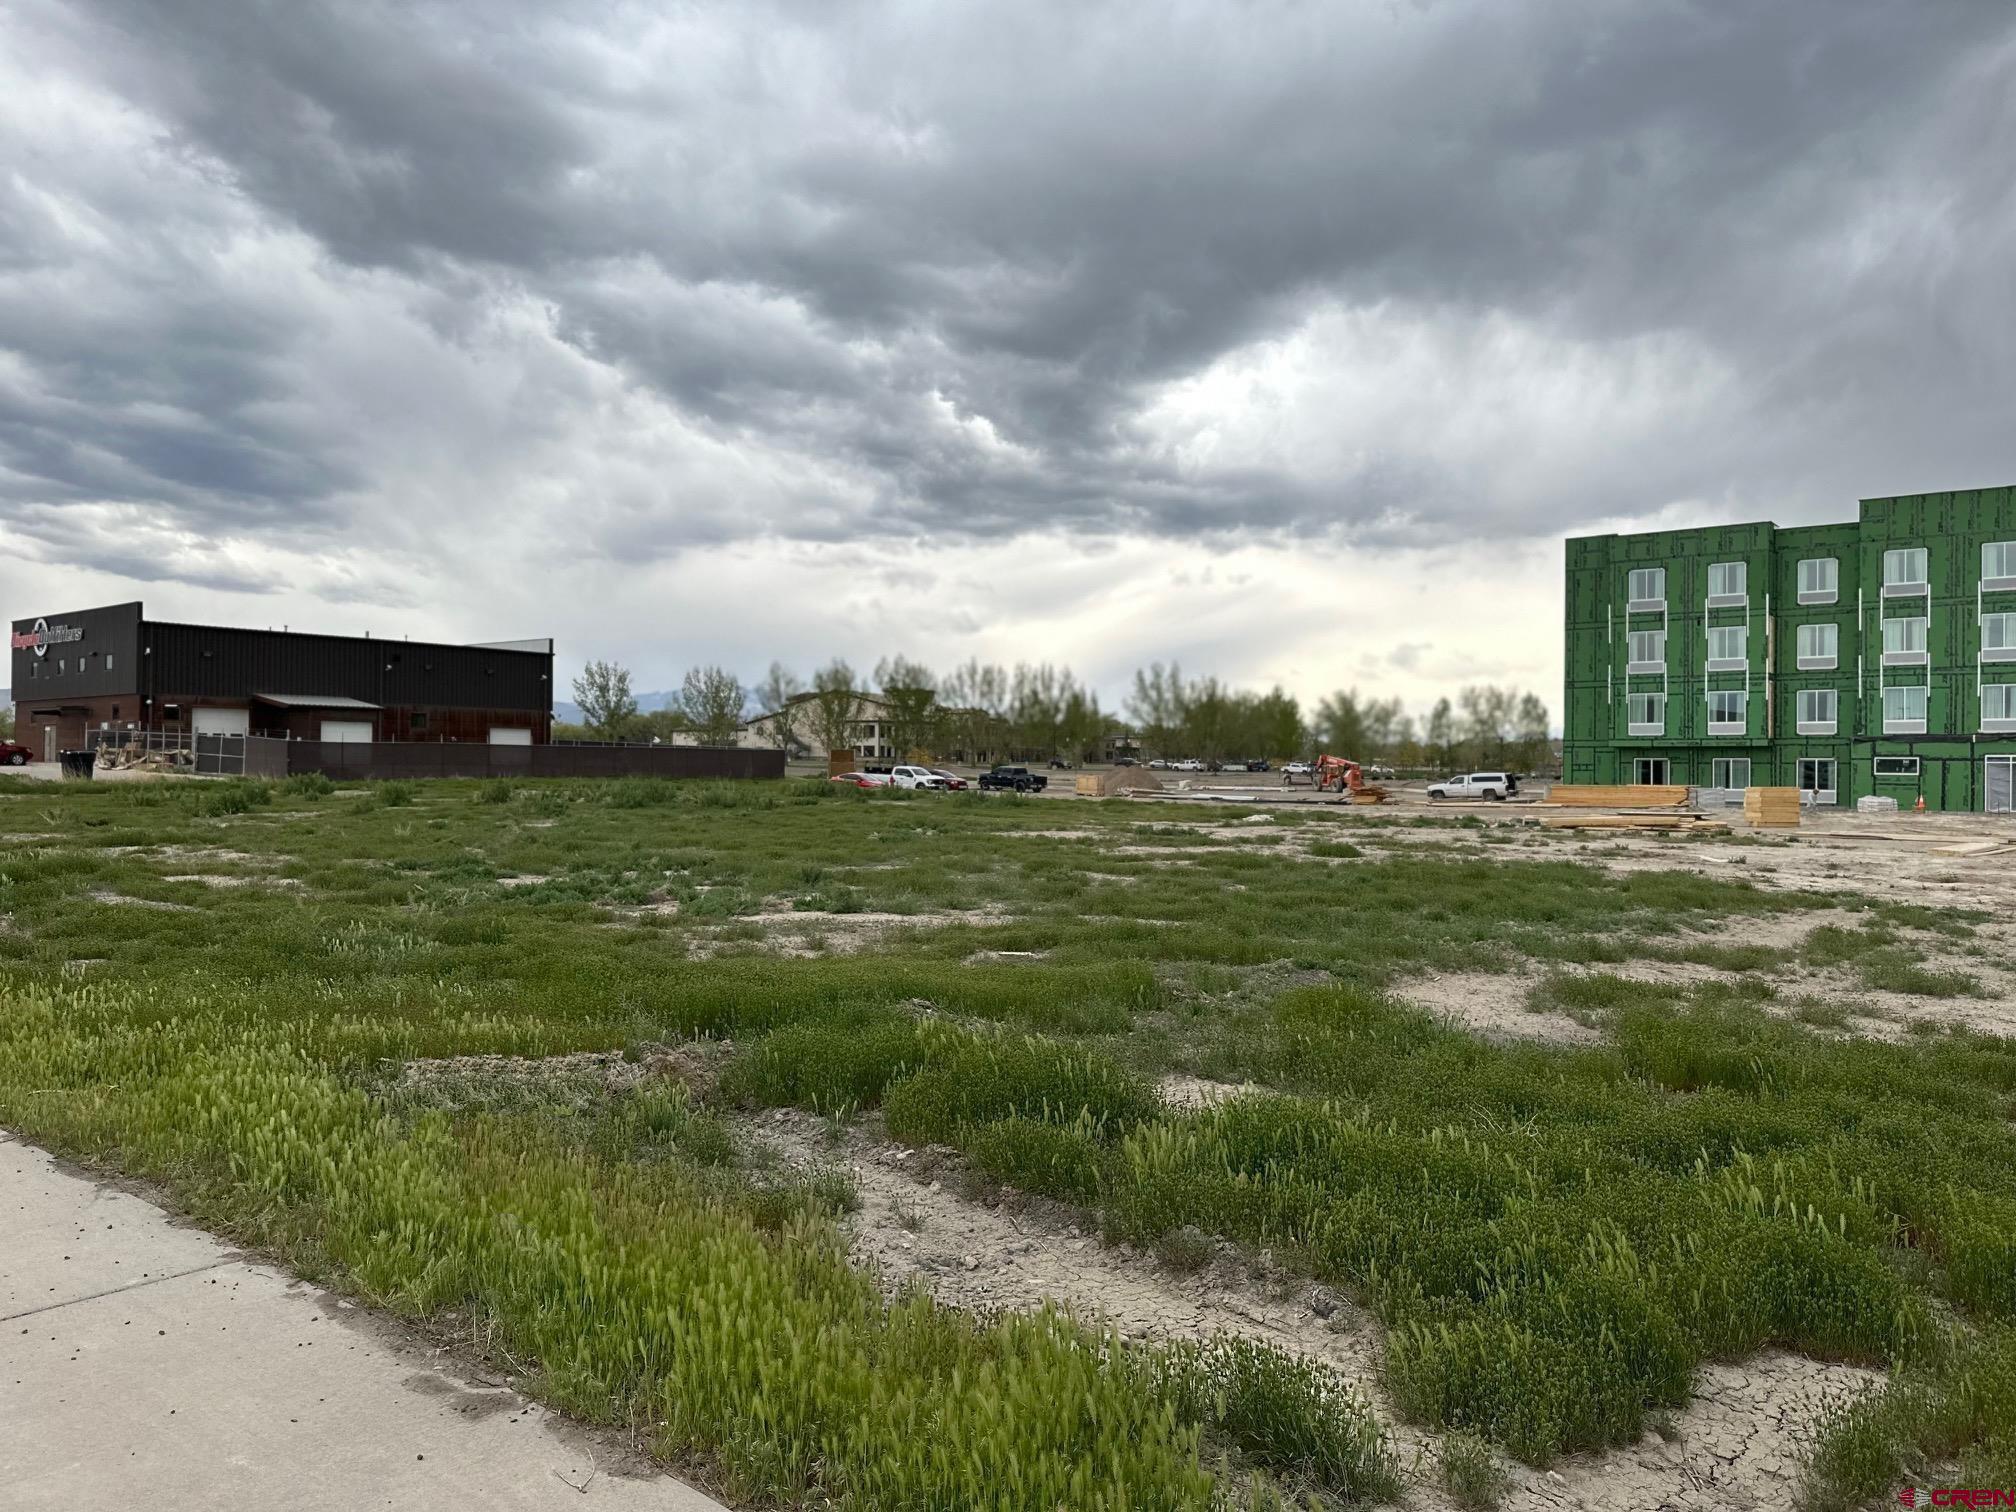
point(1904, 711)
point(1998, 637)
point(1819, 647)
point(1904, 569)
point(1998, 564)
point(1648, 586)
point(1903, 641)
point(1819, 580)
point(1646, 713)
point(1817, 711)
point(1998, 706)
point(1648, 649)
point(1650, 771)
point(1816, 776)
point(1725, 711)
point(1728, 647)
point(1729, 772)
point(108, 661)
point(1896, 766)
point(1728, 581)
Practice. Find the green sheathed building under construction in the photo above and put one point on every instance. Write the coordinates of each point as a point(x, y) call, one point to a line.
point(1872, 657)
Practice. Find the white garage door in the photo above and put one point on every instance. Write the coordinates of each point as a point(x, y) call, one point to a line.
point(499, 735)
point(223, 721)
point(347, 729)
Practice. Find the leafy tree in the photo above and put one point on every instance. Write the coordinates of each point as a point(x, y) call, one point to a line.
point(1156, 707)
point(973, 708)
point(1274, 726)
point(778, 697)
point(1535, 742)
point(711, 699)
point(910, 693)
point(836, 707)
point(607, 705)
point(1341, 726)
point(1441, 733)
point(660, 724)
point(1487, 721)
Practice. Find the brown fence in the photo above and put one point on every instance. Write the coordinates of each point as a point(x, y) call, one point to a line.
point(418, 758)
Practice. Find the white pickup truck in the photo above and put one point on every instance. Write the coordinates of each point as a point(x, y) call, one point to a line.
point(1494, 785)
point(915, 777)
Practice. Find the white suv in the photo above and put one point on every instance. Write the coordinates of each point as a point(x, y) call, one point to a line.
point(1493, 785)
point(915, 777)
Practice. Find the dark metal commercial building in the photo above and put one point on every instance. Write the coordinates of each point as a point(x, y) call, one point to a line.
point(82, 673)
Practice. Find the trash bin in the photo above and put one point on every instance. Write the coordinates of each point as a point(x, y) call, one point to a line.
point(78, 763)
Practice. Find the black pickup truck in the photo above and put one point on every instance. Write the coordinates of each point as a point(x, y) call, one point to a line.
point(1013, 779)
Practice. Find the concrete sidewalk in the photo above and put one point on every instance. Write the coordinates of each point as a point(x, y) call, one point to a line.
point(146, 1364)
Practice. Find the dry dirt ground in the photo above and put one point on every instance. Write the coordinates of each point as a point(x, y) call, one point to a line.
point(1738, 1444)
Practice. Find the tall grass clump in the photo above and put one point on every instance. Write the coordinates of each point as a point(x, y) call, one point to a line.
point(395, 794)
point(308, 785)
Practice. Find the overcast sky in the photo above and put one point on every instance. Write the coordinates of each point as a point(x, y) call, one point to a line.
point(1284, 340)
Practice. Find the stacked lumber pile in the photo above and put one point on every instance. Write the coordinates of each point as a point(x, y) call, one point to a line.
point(1693, 824)
point(1772, 807)
point(1116, 783)
point(1370, 793)
point(1621, 795)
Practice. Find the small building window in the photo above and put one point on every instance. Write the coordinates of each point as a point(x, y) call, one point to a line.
point(1816, 776)
point(1646, 713)
point(418, 721)
point(1998, 637)
point(1728, 647)
point(1647, 649)
point(108, 661)
point(1729, 772)
point(1647, 588)
point(1904, 570)
point(1896, 766)
point(1904, 642)
point(1728, 581)
point(1818, 709)
point(1998, 706)
point(1819, 647)
point(1904, 711)
point(1998, 565)
point(1819, 580)
point(1726, 709)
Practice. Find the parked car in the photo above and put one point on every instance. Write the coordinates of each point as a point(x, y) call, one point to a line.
point(1496, 786)
point(1059, 764)
point(916, 777)
point(953, 781)
point(1259, 764)
point(861, 779)
point(13, 753)
point(1120, 761)
point(1159, 764)
point(1296, 769)
point(1187, 764)
point(1013, 779)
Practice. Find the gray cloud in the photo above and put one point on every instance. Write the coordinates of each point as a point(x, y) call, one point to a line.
point(554, 282)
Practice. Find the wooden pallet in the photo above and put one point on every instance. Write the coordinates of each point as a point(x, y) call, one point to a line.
point(1772, 807)
point(1691, 823)
point(1625, 795)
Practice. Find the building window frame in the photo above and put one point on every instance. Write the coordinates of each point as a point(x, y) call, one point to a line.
point(1740, 634)
point(1653, 706)
point(1998, 566)
point(1816, 767)
point(1652, 771)
point(1819, 716)
point(1728, 585)
point(1894, 768)
point(1638, 640)
point(1906, 723)
point(1818, 587)
point(1907, 655)
point(1724, 770)
point(1816, 660)
point(1907, 572)
point(2005, 700)
point(1725, 699)
point(1648, 578)
point(2004, 623)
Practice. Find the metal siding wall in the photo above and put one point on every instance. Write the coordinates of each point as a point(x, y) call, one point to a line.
point(217, 662)
point(402, 759)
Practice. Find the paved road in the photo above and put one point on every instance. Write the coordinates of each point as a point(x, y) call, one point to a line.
point(145, 1364)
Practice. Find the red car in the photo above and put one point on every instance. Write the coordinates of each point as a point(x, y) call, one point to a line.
point(861, 779)
point(13, 753)
point(953, 781)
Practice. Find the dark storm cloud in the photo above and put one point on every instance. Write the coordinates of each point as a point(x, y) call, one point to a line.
point(928, 269)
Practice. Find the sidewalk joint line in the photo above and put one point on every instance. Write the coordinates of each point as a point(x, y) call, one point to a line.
point(113, 1291)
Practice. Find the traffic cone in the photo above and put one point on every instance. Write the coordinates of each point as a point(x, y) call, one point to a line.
point(1921, 803)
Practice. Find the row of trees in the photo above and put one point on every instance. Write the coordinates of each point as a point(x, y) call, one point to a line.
point(981, 711)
